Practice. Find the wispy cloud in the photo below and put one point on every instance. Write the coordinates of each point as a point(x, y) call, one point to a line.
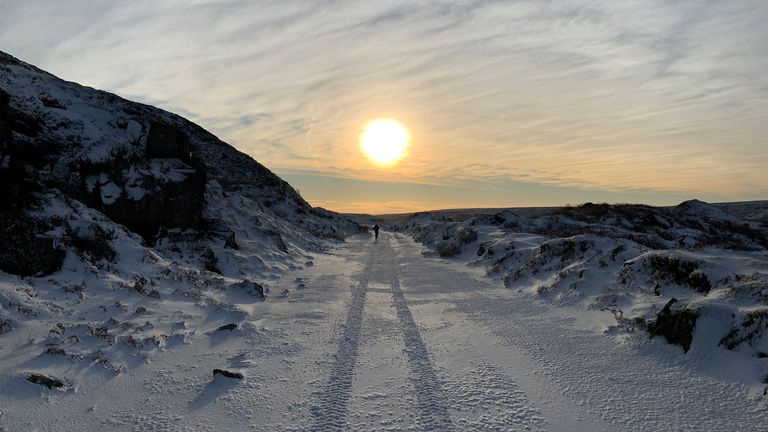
point(616, 95)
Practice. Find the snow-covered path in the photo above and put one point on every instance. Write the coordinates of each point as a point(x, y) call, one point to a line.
point(429, 345)
point(433, 369)
point(376, 336)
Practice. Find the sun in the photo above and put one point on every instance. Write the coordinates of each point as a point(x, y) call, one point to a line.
point(385, 141)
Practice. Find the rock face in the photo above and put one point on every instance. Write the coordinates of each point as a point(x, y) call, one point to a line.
point(164, 141)
point(178, 203)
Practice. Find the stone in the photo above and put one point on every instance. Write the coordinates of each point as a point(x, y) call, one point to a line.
point(676, 326)
point(50, 382)
point(230, 327)
point(228, 374)
point(252, 288)
point(230, 242)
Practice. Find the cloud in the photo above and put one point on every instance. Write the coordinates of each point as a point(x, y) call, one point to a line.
point(620, 95)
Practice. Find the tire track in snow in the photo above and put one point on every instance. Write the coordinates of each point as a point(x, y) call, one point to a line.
point(331, 412)
point(430, 398)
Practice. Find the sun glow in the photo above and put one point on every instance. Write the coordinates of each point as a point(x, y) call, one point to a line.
point(385, 141)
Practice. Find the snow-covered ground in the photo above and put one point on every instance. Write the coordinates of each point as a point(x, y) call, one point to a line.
point(376, 336)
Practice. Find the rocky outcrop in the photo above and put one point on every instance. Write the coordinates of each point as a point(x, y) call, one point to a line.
point(675, 325)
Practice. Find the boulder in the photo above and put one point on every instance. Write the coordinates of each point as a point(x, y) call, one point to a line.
point(675, 325)
point(231, 242)
point(50, 382)
point(210, 261)
point(251, 288)
point(230, 327)
point(228, 374)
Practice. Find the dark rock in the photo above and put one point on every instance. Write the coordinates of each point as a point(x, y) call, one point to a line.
point(173, 205)
point(229, 327)
point(50, 382)
point(448, 248)
point(252, 288)
point(50, 102)
point(761, 354)
point(467, 235)
point(675, 325)
point(5, 326)
point(55, 350)
point(164, 141)
point(25, 124)
point(230, 242)
point(210, 262)
point(228, 374)
point(481, 250)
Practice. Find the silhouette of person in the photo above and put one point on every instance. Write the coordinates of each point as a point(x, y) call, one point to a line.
point(376, 231)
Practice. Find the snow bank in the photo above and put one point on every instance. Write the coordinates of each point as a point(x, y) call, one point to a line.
point(695, 275)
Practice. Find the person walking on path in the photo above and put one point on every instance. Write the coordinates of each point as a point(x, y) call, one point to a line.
point(376, 231)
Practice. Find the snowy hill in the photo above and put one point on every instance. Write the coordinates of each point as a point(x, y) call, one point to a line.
point(125, 230)
point(695, 274)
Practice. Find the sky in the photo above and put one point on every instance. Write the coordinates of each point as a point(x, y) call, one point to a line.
point(509, 103)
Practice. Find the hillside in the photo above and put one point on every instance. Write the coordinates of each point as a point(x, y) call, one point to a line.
point(126, 230)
